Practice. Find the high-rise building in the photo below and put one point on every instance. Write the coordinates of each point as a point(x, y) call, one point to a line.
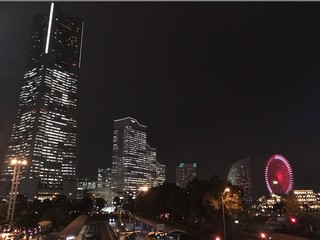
point(104, 177)
point(239, 175)
point(134, 162)
point(45, 130)
point(157, 173)
point(185, 172)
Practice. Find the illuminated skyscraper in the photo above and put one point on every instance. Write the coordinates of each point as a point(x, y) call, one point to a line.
point(45, 129)
point(185, 173)
point(134, 161)
point(239, 175)
point(157, 173)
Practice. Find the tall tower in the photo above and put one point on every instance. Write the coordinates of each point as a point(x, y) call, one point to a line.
point(185, 172)
point(157, 171)
point(133, 160)
point(239, 175)
point(45, 130)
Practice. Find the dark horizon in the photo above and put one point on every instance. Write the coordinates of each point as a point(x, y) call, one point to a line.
point(214, 82)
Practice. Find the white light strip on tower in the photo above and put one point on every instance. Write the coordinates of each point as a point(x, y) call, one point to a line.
point(49, 28)
point(81, 44)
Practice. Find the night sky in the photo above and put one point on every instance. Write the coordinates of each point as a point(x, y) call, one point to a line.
point(214, 82)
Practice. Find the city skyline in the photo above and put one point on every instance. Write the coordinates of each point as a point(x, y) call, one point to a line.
point(214, 82)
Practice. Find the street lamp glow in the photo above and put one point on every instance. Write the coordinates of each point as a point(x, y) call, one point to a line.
point(18, 162)
point(14, 161)
point(223, 217)
point(144, 189)
point(275, 182)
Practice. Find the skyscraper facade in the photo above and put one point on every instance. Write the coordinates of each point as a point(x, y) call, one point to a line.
point(239, 175)
point(134, 162)
point(185, 172)
point(45, 130)
point(104, 177)
point(157, 173)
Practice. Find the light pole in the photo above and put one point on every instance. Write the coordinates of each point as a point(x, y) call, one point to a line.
point(142, 189)
point(223, 218)
point(17, 164)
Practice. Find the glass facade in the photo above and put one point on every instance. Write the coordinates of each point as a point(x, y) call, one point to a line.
point(45, 130)
point(239, 175)
point(133, 161)
point(157, 173)
point(104, 176)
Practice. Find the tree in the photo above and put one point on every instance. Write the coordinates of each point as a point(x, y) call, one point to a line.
point(3, 211)
point(100, 203)
point(116, 200)
point(57, 216)
point(233, 205)
point(21, 204)
point(85, 205)
point(27, 219)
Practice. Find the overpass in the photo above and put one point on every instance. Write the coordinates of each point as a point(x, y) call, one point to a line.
point(163, 227)
point(72, 231)
point(152, 223)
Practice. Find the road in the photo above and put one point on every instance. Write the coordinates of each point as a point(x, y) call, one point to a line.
point(103, 230)
point(281, 236)
point(106, 231)
point(275, 236)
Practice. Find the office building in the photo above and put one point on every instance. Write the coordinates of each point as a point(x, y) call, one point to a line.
point(185, 172)
point(157, 171)
point(307, 199)
point(134, 162)
point(45, 130)
point(104, 177)
point(239, 175)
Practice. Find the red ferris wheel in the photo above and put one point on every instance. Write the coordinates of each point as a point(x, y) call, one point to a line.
point(278, 175)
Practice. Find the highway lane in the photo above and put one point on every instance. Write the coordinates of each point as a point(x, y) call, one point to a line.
point(102, 231)
point(106, 232)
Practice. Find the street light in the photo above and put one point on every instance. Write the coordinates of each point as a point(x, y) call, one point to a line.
point(141, 189)
point(223, 218)
point(293, 220)
point(14, 186)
